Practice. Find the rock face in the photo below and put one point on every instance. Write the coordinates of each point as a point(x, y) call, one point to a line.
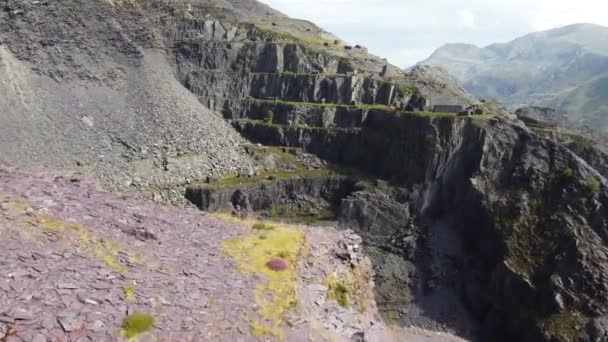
point(291, 194)
point(580, 139)
point(531, 214)
point(532, 217)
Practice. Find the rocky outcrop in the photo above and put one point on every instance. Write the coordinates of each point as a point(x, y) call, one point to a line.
point(531, 214)
point(378, 214)
point(229, 63)
point(292, 195)
point(580, 139)
point(404, 148)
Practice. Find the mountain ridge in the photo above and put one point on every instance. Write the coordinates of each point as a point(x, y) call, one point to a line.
point(564, 68)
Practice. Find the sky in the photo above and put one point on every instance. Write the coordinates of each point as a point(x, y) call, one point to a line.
point(408, 31)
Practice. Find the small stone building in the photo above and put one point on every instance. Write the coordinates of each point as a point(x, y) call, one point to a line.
point(447, 108)
point(471, 110)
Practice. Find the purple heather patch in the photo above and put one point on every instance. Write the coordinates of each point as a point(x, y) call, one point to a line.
point(277, 264)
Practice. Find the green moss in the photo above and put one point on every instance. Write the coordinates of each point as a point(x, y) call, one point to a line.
point(483, 116)
point(277, 34)
point(234, 180)
point(272, 210)
point(526, 247)
point(526, 252)
point(284, 210)
point(350, 287)
point(494, 102)
point(323, 105)
point(581, 142)
point(449, 115)
point(567, 172)
point(565, 326)
point(128, 291)
point(593, 184)
point(269, 116)
point(337, 289)
point(287, 154)
point(262, 227)
point(403, 90)
point(305, 128)
point(136, 323)
point(431, 114)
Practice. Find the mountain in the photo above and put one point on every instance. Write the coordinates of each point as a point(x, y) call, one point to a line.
point(319, 196)
point(565, 69)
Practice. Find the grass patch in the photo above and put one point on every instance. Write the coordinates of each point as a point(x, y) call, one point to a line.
point(323, 105)
point(567, 172)
point(262, 227)
point(278, 293)
point(276, 34)
point(287, 154)
point(337, 289)
point(349, 288)
point(526, 244)
point(403, 90)
point(593, 185)
point(272, 210)
point(448, 115)
point(307, 128)
point(235, 180)
point(136, 323)
point(306, 215)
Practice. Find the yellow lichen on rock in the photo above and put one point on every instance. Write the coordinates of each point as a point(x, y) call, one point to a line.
point(128, 290)
point(80, 237)
point(278, 292)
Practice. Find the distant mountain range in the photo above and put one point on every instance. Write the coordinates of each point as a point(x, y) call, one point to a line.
point(565, 69)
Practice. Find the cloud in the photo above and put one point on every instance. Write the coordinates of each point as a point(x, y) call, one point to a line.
point(402, 30)
point(467, 19)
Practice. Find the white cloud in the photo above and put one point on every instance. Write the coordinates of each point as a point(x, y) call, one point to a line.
point(551, 14)
point(467, 19)
point(402, 29)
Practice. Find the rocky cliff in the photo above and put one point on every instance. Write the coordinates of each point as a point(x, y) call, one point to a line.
point(527, 213)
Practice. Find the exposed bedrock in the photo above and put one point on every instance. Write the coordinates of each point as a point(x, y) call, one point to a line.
point(220, 61)
point(336, 89)
point(407, 149)
point(293, 114)
point(294, 194)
